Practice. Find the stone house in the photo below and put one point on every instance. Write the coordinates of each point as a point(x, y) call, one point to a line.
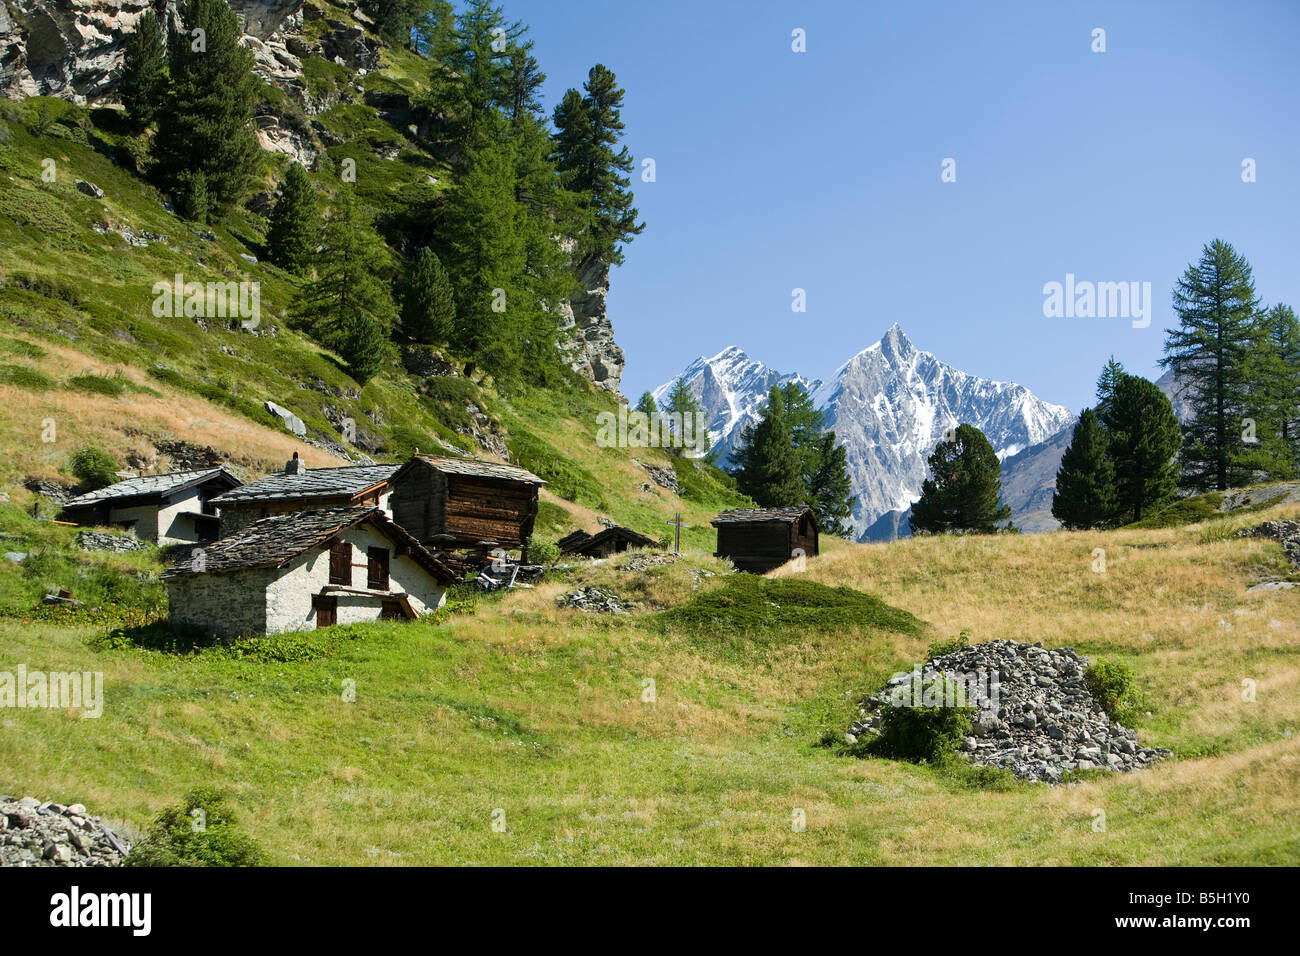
point(299, 488)
point(304, 570)
point(175, 508)
point(760, 539)
point(467, 500)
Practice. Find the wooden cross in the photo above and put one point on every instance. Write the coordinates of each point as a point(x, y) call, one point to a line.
point(677, 531)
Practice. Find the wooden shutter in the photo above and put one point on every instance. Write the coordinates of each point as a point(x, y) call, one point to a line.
point(378, 568)
point(327, 610)
point(341, 563)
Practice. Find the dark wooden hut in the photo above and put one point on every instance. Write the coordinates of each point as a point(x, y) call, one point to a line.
point(613, 540)
point(760, 539)
point(470, 501)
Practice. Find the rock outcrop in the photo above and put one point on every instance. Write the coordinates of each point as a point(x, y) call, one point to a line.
point(587, 335)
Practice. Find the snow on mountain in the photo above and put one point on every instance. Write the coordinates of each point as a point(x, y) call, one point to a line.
point(731, 388)
point(889, 406)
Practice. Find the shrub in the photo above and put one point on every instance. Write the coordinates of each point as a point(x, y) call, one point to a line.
point(21, 376)
point(542, 552)
point(95, 469)
point(200, 831)
point(1114, 688)
point(951, 646)
point(112, 386)
point(928, 734)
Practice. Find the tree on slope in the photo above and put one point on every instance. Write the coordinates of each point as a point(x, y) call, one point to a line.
point(1216, 305)
point(295, 223)
point(1144, 440)
point(349, 304)
point(1272, 367)
point(768, 467)
point(205, 123)
point(428, 303)
point(144, 72)
point(1085, 482)
point(964, 491)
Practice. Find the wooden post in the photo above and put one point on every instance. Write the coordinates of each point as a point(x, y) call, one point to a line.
point(677, 531)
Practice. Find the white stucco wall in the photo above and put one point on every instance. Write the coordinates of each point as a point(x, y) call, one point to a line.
point(172, 529)
point(289, 595)
point(144, 516)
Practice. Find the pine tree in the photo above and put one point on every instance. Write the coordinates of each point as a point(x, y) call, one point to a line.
point(1216, 305)
point(768, 466)
point(963, 494)
point(205, 123)
point(647, 405)
point(192, 190)
point(349, 304)
point(686, 418)
point(830, 489)
point(1272, 367)
point(428, 303)
point(144, 72)
point(469, 82)
point(1110, 375)
point(1144, 438)
point(593, 165)
point(295, 223)
point(1085, 482)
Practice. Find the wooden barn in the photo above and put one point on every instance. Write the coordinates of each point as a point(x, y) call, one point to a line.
point(613, 540)
point(760, 539)
point(439, 499)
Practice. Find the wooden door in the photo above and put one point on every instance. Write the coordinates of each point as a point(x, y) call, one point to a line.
point(327, 610)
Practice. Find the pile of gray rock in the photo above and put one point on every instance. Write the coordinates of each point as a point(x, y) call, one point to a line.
point(1286, 532)
point(593, 600)
point(1034, 714)
point(50, 834)
point(645, 560)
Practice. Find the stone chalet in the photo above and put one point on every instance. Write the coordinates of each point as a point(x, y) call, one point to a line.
point(304, 570)
point(175, 508)
point(760, 539)
point(299, 488)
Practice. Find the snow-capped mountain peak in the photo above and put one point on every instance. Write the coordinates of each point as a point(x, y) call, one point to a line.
point(889, 405)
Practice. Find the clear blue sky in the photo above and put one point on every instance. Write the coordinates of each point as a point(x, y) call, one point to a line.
point(821, 170)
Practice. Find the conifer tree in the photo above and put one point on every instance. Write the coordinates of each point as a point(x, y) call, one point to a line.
point(295, 223)
point(1272, 367)
point(647, 405)
point(1144, 438)
point(964, 490)
point(830, 488)
point(768, 466)
point(349, 304)
point(592, 164)
point(144, 72)
point(428, 303)
point(1110, 375)
point(1085, 482)
point(1216, 305)
point(205, 123)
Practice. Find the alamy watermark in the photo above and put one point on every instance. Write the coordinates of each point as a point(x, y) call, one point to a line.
point(1098, 300)
point(209, 300)
point(634, 429)
point(53, 690)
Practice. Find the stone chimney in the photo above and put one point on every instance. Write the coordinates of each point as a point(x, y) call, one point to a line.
point(295, 465)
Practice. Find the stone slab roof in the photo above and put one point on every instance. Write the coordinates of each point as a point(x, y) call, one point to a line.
point(757, 515)
point(311, 483)
point(478, 469)
point(149, 485)
point(276, 541)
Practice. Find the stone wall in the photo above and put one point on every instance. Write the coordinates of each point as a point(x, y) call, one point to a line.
point(225, 605)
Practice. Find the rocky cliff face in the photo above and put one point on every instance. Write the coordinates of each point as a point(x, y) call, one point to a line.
point(73, 48)
point(587, 335)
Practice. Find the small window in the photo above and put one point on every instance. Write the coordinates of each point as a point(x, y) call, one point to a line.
point(341, 563)
point(378, 568)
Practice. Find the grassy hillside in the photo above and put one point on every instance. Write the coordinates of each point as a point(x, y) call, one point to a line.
point(517, 706)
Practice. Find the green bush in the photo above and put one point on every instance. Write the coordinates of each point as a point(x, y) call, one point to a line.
point(200, 831)
point(112, 386)
point(543, 552)
point(1113, 686)
point(950, 646)
point(928, 734)
point(95, 469)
